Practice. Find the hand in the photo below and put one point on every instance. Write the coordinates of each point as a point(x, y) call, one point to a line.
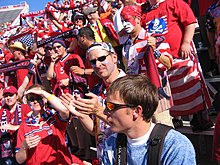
point(77, 70)
point(9, 127)
point(64, 82)
point(88, 106)
point(185, 50)
point(54, 56)
point(152, 42)
point(36, 91)
point(31, 141)
point(67, 101)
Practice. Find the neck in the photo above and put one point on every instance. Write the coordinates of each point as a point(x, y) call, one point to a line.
point(139, 129)
point(134, 34)
point(12, 107)
point(112, 77)
point(64, 54)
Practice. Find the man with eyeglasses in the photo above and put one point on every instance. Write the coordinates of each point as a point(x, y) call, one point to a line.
point(103, 60)
point(60, 64)
point(12, 114)
point(130, 104)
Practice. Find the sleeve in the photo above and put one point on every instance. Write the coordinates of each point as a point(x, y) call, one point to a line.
point(177, 149)
point(216, 141)
point(184, 12)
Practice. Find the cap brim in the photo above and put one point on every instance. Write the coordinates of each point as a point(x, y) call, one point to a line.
point(16, 47)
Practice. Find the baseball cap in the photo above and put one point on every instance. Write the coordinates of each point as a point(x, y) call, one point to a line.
point(89, 10)
point(10, 89)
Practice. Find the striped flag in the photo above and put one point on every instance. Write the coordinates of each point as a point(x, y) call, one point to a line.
point(27, 39)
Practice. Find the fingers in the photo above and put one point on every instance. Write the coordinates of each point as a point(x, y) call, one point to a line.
point(32, 141)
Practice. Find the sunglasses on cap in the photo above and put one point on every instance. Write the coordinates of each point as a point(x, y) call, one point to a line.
point(100, 59)
point(58, 47)
point(32, 99)
point(112, 106)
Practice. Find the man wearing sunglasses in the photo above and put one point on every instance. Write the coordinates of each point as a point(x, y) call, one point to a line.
point(130, 104)
point(103, 60)
point(59, 68)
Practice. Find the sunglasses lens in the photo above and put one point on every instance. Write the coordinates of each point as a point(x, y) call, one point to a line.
point(93, 62)
point(101, 59)
point(110, 106)
point(31, 99)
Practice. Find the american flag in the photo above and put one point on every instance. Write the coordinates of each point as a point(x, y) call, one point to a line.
point(27, 39)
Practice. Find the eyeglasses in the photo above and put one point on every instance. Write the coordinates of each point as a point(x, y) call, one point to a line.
point(32, 99)
point(100, 59)
point(58, 47)
point(48, 48)
point(112, 106)
point(8, 94)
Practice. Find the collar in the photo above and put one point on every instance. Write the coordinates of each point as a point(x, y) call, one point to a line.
point(63, 58)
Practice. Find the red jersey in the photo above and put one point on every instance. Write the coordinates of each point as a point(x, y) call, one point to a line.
point(52, 148)
point(62, 67)
point(169, 19)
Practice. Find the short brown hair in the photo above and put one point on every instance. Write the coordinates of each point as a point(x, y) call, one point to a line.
point(136, 90)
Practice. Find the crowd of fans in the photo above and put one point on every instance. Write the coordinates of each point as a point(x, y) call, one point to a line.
point(60, 93)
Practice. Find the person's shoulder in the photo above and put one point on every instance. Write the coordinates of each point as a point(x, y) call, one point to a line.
point(178, 148)
point(111, 140)
point(176, 136)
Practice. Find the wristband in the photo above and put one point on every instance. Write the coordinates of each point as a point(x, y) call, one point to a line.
point(157, 53)
point(84, 71)
point(50, 97)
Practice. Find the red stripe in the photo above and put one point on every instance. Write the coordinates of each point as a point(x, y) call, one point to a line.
point(187, 99)
point(183, 87)
point(186, 72)
point(187, 112)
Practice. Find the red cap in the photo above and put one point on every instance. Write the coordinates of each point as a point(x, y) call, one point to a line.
point(10, 89)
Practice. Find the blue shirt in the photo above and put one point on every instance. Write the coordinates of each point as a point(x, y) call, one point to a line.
point(177, 150)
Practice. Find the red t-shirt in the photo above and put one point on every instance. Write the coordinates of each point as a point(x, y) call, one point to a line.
point(52, 148)
point(62, 67)
point(169, 19)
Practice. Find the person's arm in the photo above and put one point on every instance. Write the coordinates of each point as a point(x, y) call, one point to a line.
point(162, 58)
point(90, 106)
point(29, 24)
point(86, 120)
point(55, 22)
point(50, 70)
point(53, 100)
point(185, 48)
point(23, 86)
point(28, 142)
point(81, 71)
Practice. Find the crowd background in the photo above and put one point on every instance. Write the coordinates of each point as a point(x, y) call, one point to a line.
point(55, 47)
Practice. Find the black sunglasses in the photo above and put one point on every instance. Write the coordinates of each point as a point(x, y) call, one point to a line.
point(112, 106)
point(59, 46)
point(8, 94)
point(32, 99)
point(100, 59)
